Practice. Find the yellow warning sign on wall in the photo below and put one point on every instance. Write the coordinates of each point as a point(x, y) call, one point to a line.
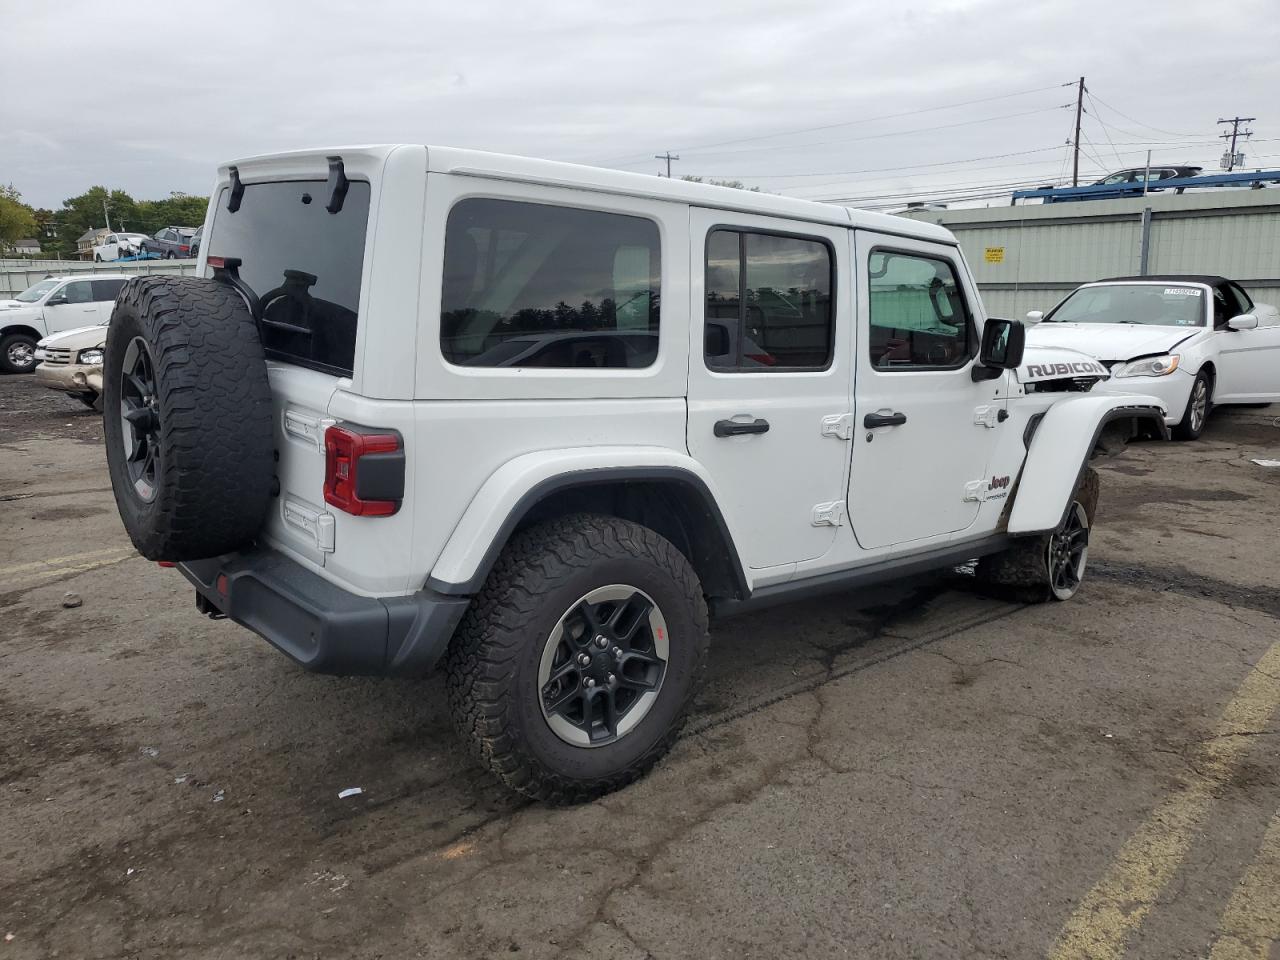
point(995, 255)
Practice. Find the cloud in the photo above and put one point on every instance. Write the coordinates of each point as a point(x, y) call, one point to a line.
point(151, 103)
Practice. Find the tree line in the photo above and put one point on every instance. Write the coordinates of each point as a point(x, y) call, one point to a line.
point(58, 230)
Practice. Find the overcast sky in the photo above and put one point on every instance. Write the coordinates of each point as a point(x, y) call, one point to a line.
point(149, 98)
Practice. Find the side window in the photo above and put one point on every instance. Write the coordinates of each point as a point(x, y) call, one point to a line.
point(918, 315)
point(768, 302)
point(1240, 299)
point(106, 290)
point(78, 291)
point(535, 285)
point(111, 238)
point(1222, 308)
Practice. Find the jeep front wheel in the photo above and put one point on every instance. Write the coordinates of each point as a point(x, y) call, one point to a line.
point(574, 668)
point(1050, 566)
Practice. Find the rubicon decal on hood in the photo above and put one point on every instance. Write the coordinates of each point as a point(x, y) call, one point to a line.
point(1077, 368)
point(1058, 363)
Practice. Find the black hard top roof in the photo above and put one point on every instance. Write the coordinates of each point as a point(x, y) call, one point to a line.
point(1210, 280)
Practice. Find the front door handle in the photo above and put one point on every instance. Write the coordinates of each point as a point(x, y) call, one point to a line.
point(734, 428)
point(884, 420)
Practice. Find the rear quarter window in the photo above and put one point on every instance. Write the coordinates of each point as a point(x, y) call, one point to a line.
point(536, 285)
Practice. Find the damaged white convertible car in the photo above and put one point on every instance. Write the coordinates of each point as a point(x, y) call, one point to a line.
point(1193, 341)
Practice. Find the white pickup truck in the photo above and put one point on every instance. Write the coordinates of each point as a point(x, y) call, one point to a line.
point(533, 422)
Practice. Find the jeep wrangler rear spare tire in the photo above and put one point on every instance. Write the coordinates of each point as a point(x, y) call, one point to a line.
point(573, 669)
point(187, 418)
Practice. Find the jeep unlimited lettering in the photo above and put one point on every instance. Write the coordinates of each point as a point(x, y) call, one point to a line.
point(535, 422)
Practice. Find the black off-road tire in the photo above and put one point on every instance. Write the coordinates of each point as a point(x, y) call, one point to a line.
point(1022, 572)
point(12, 340)
point(1191, 426)
point(215, 468)
point(492, 663)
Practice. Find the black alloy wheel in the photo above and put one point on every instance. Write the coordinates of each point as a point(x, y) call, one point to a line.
point(603, 665)
point(1067, 553)
point(140, 419)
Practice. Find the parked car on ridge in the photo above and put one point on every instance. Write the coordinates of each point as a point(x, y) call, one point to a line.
point(116, 246)
point(1193, 341)
point(1138, 174)
point(171, 243)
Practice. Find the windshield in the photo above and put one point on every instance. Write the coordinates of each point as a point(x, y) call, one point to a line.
point(1152, 304)
point(303, 262)
point(34, 293)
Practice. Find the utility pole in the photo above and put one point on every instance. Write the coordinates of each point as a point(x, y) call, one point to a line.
point(1075, 164)
point(1235, 132)
point(106, 215)
point(668, 156)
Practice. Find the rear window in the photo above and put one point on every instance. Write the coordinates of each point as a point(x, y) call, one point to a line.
point(304, 265)
point(533, 285)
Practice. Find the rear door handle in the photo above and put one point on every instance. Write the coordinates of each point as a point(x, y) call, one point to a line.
point(884, 420)
point(734, 428)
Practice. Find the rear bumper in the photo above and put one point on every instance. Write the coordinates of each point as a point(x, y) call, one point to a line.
point(320, 625)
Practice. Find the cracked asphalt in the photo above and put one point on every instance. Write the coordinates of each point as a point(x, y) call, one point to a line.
point(916, 771)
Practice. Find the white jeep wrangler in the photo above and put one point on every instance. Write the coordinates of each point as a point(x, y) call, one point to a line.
point(532, 421)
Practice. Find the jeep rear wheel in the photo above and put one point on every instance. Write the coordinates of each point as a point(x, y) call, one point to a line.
point(1051, 566)
point(574, 668)
point(187, 418)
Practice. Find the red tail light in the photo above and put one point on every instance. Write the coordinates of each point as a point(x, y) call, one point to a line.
point(364, 470)
point(183, 248)
point(216, 262)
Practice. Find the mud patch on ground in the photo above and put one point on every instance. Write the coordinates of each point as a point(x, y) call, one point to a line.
point(67, 513)
point(1183, 581)
point(1118, 500)
point(34, 738)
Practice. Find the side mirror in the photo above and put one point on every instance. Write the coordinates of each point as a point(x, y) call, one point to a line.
point(1246, 321)
point(1003, 342)
point(56, 299)
point(1034, 317)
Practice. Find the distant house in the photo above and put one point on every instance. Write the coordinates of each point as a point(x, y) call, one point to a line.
point(27, 247)
point(88, 240)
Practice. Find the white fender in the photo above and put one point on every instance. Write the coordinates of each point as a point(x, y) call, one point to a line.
point(1060, 450)
point(499, 496)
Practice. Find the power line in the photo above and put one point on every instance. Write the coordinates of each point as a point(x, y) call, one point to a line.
point(890, 134)
point(847, 175)
point(1105, 131)
point(1140, 123)
point(839, 173)
point(846, 123)
point(990, 169)
point(668, 156)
